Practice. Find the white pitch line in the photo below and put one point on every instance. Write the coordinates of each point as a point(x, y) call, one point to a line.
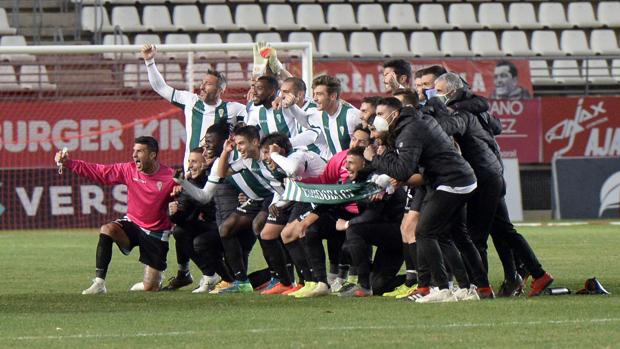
point(327, 328)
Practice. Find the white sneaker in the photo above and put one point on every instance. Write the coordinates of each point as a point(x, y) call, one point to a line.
point(438, 296)
point(139, 286)
point(207, 283)
point(97, 287)
point(321, 289)
point(467, 294)
point(337, 284)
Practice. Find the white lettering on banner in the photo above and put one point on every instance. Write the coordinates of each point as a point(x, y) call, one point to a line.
point(119, 193)
point(611, 143)
point(508, 126)
point(504, 107)
point(360, 83)
point(477, 83)
point(171, 132)
point(41, 135)
point(344, 82)
point(59, 200)
point(31, 206)
point(92, 197)
point(584, 118)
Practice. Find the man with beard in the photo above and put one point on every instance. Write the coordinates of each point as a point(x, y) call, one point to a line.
point(146, 223)
point(201, 110)
point(506, 79)
point(368, 110)
point(486, 209)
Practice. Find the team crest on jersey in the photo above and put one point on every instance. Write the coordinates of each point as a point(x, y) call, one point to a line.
point(278, 117)
point(221, 112)
point(342, 130)
point(400, 145)
point(159, 185)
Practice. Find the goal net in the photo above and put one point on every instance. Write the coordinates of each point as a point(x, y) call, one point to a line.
point(94, 100)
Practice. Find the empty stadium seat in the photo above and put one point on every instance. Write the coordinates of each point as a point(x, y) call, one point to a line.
point(34, 77)
point(364, 44)
point(8, 80)
point(332, 44)
point(311, 17)
point(200, 69)
point(514, 43)
point(100, 15)
point(208, 38)
point(596, 71)
point(5, 28)
point(218, 17)
point(135, 75)
point(539, 73)
point(173, 75)
point(15, 40)
point(341, 17)
point(581, 15)
point(239, 38)
point(432, 16)
point(187, 18)
point(484, 43)
point(303, 37)
point(551, 15)
point(604, 42)
point(250, 17)
point(545, 42)
point(268, 37)
point(492, 16)
point(157, 19)
point(522, 16)
point(280, 17)
point(394, 44)
point(177, 39)
point(462, 16)
point(424, 44)
point(371, 17)
point(402, 17)
point(574, 42)
point(454, 44)
point(566, 71)
point(141, 39)
point(127, 18)
point(607, 13)
point(112, 39)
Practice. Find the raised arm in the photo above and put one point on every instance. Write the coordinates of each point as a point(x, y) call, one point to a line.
point(155, 78)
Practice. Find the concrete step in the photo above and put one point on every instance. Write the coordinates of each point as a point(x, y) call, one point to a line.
point(64, 20)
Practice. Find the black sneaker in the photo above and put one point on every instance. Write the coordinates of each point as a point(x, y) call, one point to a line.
point(182, 279)
point(511, 288)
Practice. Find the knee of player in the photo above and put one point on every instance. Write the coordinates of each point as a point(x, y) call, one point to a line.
point(107, 229)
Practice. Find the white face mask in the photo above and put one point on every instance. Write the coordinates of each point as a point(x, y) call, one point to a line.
point(380, 124)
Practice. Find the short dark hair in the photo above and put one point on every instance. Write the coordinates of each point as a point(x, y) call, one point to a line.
point(392, 102)
point(372, 100)
point(150, 142)
point(221, 79)
point(277, 138)
point(361, 127)
point(409, 97)
point(332, 83)
point(400, 66)
point(436, 70)
point(271, 81)
point(357, 151)
point(220, 128)
point(198, 150)
point(418, 73)
point(298, 83)
point(512, 68)
point(250, 132)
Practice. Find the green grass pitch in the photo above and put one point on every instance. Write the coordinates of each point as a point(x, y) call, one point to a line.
point(43, 272)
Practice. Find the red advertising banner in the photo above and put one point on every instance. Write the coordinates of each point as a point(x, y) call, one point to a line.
point(587, 127)
point(489, 78)
point(41, 198)
point(521, 129)
point(99, 131)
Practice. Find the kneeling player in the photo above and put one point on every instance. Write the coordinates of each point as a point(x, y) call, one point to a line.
point(146, 224)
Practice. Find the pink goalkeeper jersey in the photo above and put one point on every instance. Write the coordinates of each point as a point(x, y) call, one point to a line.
point(147, 195)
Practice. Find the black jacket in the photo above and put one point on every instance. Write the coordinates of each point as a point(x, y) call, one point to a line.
point(389, 210)
point(477, 145)
point(189, 210)
point(477, 105)
point(419, 141)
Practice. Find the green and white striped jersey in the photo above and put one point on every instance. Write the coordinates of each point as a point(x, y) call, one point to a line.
point(268, 180)
point(272, 120)
point(199, 116)
point(244, 180)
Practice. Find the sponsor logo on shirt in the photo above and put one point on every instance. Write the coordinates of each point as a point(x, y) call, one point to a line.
point(139, 180)
point(159, 185)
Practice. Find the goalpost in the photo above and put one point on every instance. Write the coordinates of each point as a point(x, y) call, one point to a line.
point(94, 100)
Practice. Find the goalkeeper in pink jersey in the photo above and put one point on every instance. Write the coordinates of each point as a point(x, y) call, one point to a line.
point(146, 223)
